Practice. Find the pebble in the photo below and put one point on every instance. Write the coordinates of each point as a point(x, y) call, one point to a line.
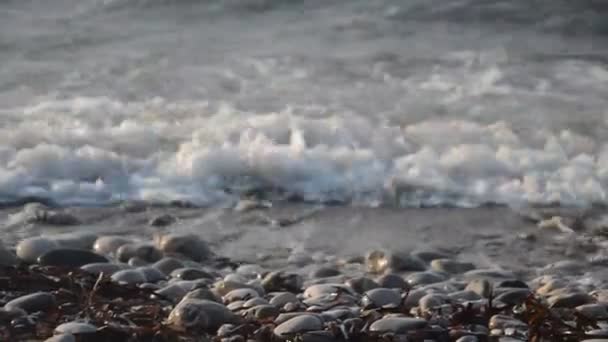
point(281, 281)
point(240, 294)
point(188, 245)
point(451, 266)
point(174, 292)
point(71, 258)
point(144, 251)
point(325, 289)
point(431, 301)
point(39, 301)
point(201, 293)
point(103, 267)
point(325, 271)
point(430, 255)
point(480, 286)
point(29, 250)
point(201, 314)
point(298, 324)
point(168, 265)
point(489, 274)
point(464, 295)
point(512, 283)
point(189, 273)
point(563, 267)
point(263, 312)
point(381, 298)
point(77, 240)
point(61, 338)
point(108, 245)
point(281, 298)
point(570, 300)
point(151, 274)
point(7, 258)
point(392, 281)
point(362, 284)
point(425, 278)
point(137, 262)
point(129, 277)
point(381, 261)
point(398, 325)
point(75, 328)
point(594, 311)
point(503, 321)
point(513, 296)
point(468, 338)
point(162, 220)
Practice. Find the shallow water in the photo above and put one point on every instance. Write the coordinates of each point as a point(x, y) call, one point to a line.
point(408, 103)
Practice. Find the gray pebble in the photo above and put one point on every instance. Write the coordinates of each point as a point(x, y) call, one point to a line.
point(162, 220)
point(168, 265)
point(464, 295)
point(392, 281)
point(513, 296)
point(480, 286)
point(240, 294)
point(325, 271)
point(382, 261)
point(468, 338)
point(76, 240)
point(30, 249)
point(189, 273)
point(431, 302)
point(381, 298)
point(299, 324)
point(108, 245)
point(201, 314)
point(144, 251)
point(362, 284)
point(189, 245)
point(451, 266)
point(103, 267)
point(594, 311)
point(429, 255)
point(570, 300)
point(61, 338)
point(203, 294)
point(151, 274)
point(398, 325)
point(75, 328)
point(71, 258)
point(137, 262)
point(503, 321)
point(424, 278)
point(282, 298)
point(129, 277)
point(39, 301)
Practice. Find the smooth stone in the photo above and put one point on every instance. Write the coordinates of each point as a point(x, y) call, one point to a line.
point(299, 259)
point(223, 287)
point(425, 278)
point(398, 325)
point(75, 328)
point(189, 273)
point(381, 261)
point(564, 267)
point(237, 305)
point(77, 240)
point(325, 271)
point(202, 314)
point(551, 286)
point(429, 256)
point(594, 311)
point(73, 258)
point(108, 245)
point(514, 296)
point(250, 271)
point(263, 312)
point(468, 338)
point(451, 266)
point(298, 324)
point(432, 301)
point(137, 262)
point(284, 317)
point(144, 251)
point(168, 265)
point(413, 298)
point(570, 300)
point(325, 289)
point(464, 295)
point(512, 283)
point(129, 277)
point(7, 258)
point(162, 220)
point(29, 250)
point(255, 302)
point(281, 281)
point(7, 315)
point(103, 267)
point(202, 293)
point(240, 294)
point(174, 292)
point(362, 284)
point(381, 298)
point(392, 281)
point(318, 336)
point(61, 338)
point(480, 286)
point(503, 322)
point(152, 274)
point(282, 298)
point(489, 274)
point(189, 245)
point(39, 301)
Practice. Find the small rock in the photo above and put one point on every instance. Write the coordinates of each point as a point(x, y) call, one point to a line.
point(489, 274)
point(168, 265)
point(61, 338)
point(144, 251)
point(480, 286)
point(425, 278)
point(189, 273)
point(362, 284)
point(297, 325)
point(129, 277)
point(324, 272)
point(468, 338)
point(39, 301)
point(280, 281)
point(163, 220)
point(464, 295)
point(451, 266)
point(325, 289)
point(202, 314)
point(30, 249)
point(299, 259)
point(429, 256)
point(137, 262)
point(151, 273)
point(71, 258)
point(189, 245)
point(282, 298)
point(503, 322)
point(240, 294)
point(564, 267)
point(594, 311)
point(103, 267)
point(77, 240)
point(381, 298)
point(392, 281)
point(398, 325)
point(75, 328)
point(431, 301)
point(202, 294)
point(513, 296)
point(262, 312)
point(108, 245)
point(174, 292)
point(570, 300)
point(512, 283)
point(381, 261)
point(7, 258)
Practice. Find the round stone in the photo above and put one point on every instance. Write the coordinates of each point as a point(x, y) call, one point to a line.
point(325, 271)
point(168, 265)
point(431, 301)
point(480, 286)
point(152, 274)
point(77, 240)
point(504, 321)
point(570, 300)
point(318, 290)
point(281, 298)
point(381, 261)
point(398, 325)
point(381, 298)
point(425, 278)
point(298, 324)
point(75, 328)
point(108, 245)
point(39, 301)
point(262, 312)
point(430, 255)
point(594, 311)
point(392, 281)
point(200, 314)
point(513, 296)
point(61, 338)
point(362, 284)
point(29, 250)
point(103, 267)
point(163, 220)
point(464, 295)
point(240, 294)
point(189, 273)
point(202, 294)
point(144, 251)
point(451, 266)
point(71, 258)
point(188, 245)
point(129, 277)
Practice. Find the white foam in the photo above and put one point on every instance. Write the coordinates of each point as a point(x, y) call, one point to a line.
point(97, 150)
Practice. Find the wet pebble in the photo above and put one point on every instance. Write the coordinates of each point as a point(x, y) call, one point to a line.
point(480, 286)
point(392, 281)
point(162, 220)
point(103, 267)
point(76, 240)
point(240, 294)
point(381, 298)
point(464, 295)
point(362, 284)
point(594, 311)
point(29, 250)
point(61, 338)
point(282, 298)
point(189, 273)
point(424, 278)
point(514, 296)
point(108, 245)
point(398, 325)
point(451, 266)
point(380, 261)
point(262, 312)
point(570, 300)
point(298, 324)
point(430, 255)
point(144, 251)
point(39, 301)
point(72, 258)
point(129, 277)
point(200, 314)
point(167, 265)
point(324, 271)
point(151, 274)
point(75, 328)
point(188, 245)
point(503, 322)
point(202, 293)
point(468, 338)
point(431, 301)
